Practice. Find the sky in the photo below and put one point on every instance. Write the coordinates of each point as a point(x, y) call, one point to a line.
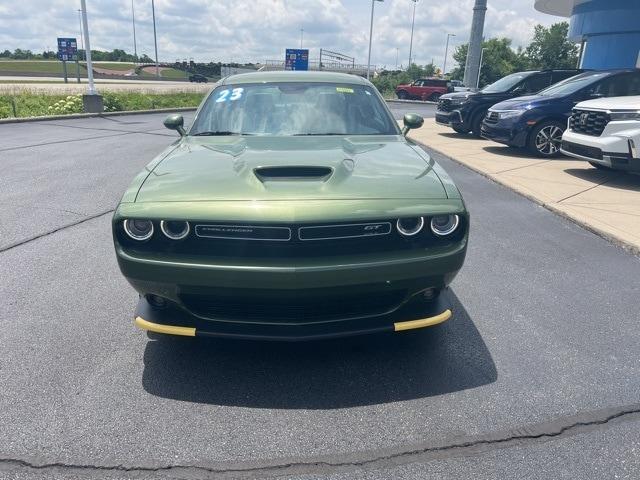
point(258, 30)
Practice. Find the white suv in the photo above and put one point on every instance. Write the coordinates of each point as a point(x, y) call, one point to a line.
point(606, 133)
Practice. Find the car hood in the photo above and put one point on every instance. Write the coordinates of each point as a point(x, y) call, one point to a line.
point(253, 168)
point(528, 102)
point(612, 103)
point(457, 95)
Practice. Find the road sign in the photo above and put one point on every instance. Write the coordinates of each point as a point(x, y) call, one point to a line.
point(67, 49)
point(296, 59)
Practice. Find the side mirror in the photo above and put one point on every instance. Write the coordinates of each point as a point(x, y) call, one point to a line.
point(411, 121)
point(175, 122)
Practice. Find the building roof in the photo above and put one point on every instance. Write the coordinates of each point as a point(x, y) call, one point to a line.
point(293, 76)
point(563, 8)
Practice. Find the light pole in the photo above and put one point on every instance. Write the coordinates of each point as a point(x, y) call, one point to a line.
point(373, 4)
point(413, 21)
point(480, 67)
point(397, 53)
point(301, 37)
point(81, 34)
point(91, 102)
point(133, 22)
point(155, 39)
point(446, 54)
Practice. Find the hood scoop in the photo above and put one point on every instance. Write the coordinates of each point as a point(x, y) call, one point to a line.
point(293, 173)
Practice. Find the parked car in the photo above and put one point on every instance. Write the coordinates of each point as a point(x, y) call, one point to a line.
point(464, 112)
point(606, 133)
point(198, 78)
point(424, 89)
point(537, 122)
point(293, 208)
point(458, 86)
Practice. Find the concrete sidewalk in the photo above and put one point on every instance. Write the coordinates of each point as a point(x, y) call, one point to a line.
point(607, 203)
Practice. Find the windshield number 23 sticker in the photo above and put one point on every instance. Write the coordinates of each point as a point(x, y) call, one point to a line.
point(231, 95)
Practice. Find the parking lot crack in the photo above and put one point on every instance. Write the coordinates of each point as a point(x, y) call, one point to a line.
point(559, 428)
point(55, 230)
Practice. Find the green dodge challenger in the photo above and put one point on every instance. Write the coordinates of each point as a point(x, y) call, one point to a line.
point(293, 208)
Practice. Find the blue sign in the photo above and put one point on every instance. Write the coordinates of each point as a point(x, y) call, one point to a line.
point(67, 49)
point(296, 59)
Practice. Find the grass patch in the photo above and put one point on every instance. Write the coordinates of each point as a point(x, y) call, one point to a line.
point(167, 73)
point(30, 104)
point(120, 66)
point(41, 66)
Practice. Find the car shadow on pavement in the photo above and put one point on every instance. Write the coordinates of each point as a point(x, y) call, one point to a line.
point(458, 136)
point(512, 152)
point(357, 371)
point(610, 178)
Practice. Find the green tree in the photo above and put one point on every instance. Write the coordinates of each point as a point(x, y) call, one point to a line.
point(551, 48)
point(498, 60)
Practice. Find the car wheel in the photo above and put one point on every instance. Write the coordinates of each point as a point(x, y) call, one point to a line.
point(434, 97)
point(546, 138)
point(599, 166)
point(476, 123)
point(402, 95)
point(460, 130)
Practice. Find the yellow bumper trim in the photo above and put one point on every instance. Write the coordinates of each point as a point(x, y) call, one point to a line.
point(167, 329)
point(424, 322)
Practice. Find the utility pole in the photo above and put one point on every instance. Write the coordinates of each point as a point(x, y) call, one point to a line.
point(155, 38)
point(472, 68)
point(92, 102)
point(133, 22)
point(373, 4)
point(81, 34)
point(446, 54)
point(413, 21)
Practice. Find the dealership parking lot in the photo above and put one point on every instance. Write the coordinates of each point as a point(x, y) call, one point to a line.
point(538, 373)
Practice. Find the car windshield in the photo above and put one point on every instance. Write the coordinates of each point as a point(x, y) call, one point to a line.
point(294, 108)
point(506, 83)
point(573, 84)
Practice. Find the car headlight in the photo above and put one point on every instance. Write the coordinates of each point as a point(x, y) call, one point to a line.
point(409, 227)
point(443, 225)
point(175, 229)
point(139, 230)
point(510, 114)
point(625, 115)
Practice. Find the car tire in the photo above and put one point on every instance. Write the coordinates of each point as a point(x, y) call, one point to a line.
point(599, 166)
point(545, 139)
point(435, 96)
point(476, 123)
point(402, 95)
point(461, 130)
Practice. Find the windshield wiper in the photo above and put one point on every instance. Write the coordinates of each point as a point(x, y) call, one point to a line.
point(220, 133)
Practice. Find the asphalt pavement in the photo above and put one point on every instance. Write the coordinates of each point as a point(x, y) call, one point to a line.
point(537, 376)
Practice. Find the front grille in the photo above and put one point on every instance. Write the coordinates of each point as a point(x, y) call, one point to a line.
point(301, 306)
point(445, 105)
point(492, 117)
point(582, 150)
point(274, 241)
point(589, 122)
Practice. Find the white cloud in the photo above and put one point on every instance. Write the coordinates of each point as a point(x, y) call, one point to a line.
point(225, 30)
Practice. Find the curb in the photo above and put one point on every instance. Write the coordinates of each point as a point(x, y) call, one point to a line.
point(92, 115)
point(417, 102)
point(625, 245)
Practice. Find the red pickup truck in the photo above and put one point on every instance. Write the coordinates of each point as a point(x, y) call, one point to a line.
point(424, 89)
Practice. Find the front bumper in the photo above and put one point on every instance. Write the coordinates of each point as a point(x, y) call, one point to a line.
point(175, 321)
point(616, 152)
point(450, 119)
point(507, 133)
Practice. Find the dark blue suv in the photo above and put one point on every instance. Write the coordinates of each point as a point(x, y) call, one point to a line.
point(537, 122)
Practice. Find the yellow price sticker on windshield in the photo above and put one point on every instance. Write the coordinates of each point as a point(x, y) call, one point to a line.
point(344, 90)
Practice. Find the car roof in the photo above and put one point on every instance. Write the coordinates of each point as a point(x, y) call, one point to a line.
point(293, 76)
